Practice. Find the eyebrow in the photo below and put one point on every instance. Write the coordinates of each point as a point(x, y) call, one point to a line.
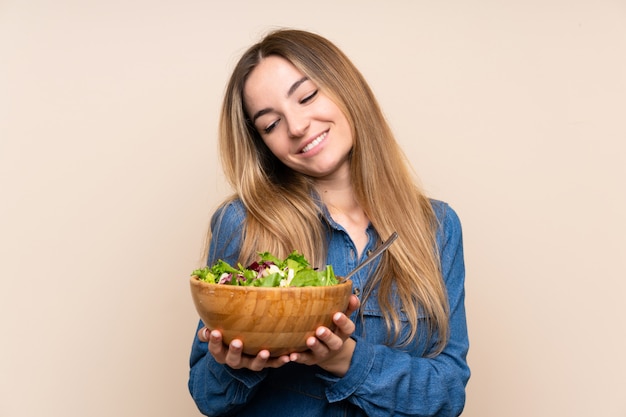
point(295, 85)
point(291, 90)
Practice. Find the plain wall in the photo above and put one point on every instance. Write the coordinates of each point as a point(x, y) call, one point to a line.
point(513, 112)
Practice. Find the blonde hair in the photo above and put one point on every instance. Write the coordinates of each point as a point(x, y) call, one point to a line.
point(283, 216)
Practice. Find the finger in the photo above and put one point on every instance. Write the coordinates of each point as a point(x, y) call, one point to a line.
point(260, 360)
point(233, 356)
point(277, 362)
point(263, 360)
point(344, 324)
point(308, 357)
point(203, 334)
point(305, 358)
point(353, 304)
point(216, 346)
point(330, 341)
point(317, 351)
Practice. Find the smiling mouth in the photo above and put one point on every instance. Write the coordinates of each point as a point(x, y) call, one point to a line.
point(314, 143)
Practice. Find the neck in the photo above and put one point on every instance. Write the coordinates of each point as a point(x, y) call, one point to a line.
point(337, 192)
point(341, 201)
point(338, 196)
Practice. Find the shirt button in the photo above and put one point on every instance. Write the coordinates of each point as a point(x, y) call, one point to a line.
point(357, 291)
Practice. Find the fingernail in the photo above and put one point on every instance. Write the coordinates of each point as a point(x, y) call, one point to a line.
point(337, 316)
point(320, 332)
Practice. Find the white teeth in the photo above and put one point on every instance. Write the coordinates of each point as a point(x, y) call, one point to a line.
point(314, 143)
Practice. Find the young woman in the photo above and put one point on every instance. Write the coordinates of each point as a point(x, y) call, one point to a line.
point(315, 167)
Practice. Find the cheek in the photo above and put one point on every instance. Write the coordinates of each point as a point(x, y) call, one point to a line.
point(275, 147)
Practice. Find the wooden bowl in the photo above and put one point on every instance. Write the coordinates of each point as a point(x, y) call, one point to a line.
point(278, 319)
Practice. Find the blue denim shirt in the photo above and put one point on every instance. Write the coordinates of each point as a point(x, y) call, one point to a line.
point(381, 380)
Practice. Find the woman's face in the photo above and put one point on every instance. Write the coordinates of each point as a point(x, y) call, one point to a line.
point(301, 125)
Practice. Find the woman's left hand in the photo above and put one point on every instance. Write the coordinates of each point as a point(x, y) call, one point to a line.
point(331, 351)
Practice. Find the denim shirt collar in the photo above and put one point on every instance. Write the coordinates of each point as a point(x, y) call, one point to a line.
point(328, 219)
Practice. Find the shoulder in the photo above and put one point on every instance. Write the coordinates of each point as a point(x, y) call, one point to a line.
point(228, 221)
point(446, 215)
point(448, 222)
point(230, 212)
point(227, 230)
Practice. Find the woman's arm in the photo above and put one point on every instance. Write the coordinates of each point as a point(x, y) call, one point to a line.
point(385, 381)
point(218, 389)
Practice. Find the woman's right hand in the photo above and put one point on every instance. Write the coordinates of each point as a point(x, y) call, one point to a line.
point(233, 356)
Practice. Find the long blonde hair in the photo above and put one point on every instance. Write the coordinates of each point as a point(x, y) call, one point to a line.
point(283, 216)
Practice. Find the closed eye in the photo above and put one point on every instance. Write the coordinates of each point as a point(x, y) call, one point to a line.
point(271, 127)
point(309, 97)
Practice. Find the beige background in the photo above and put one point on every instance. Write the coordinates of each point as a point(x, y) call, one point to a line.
point(511, 111)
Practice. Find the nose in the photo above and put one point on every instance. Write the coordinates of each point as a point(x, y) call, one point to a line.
point(297, 124)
